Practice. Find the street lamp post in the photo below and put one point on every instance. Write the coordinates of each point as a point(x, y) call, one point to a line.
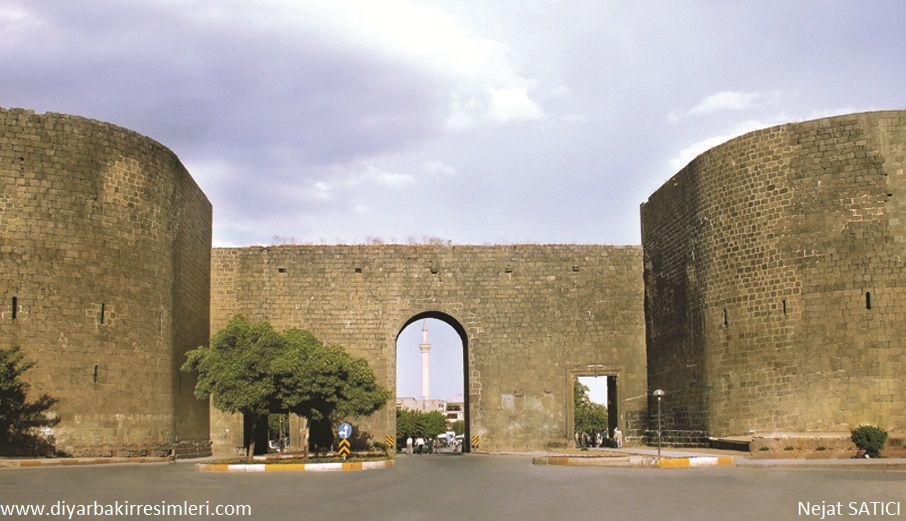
point(659, 393)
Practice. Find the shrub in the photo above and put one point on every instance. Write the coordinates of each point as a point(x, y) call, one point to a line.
point(21, 420)
point(870, 439)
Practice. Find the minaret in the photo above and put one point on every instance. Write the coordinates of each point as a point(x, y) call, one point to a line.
point(425, 348)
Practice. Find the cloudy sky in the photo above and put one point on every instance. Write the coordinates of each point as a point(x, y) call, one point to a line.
point(475, 122)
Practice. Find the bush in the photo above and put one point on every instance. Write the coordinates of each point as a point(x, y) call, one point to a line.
point(23, 422)
point(870, 439)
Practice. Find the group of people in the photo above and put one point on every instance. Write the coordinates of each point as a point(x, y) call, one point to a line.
point(419, 445)
point(586, 440)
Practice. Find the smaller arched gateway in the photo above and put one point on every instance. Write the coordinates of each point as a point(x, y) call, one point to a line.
point(530, 316)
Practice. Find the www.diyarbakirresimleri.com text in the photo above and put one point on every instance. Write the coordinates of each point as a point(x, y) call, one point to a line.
point(65, 510)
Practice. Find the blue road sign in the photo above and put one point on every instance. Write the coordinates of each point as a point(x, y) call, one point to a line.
point(345, 431)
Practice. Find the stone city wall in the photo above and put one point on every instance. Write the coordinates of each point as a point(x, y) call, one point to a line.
point(534, 316)
point(104, 281)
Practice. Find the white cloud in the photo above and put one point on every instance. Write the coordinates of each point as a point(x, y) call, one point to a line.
point(12, 15)
point(561, 91)
point(692, 151)
point(724, 101)
point(464, 112)
point(481, 74)
point(438, 167)
point(217, 243)
point(577, 118)
point(826, 113)
point(354, 176)
point(377, 173)
point(321, 191)
point(393, 180)
point(496, 105)
point(508, 104)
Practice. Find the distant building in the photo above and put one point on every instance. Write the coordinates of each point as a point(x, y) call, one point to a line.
point(420, 405)
point(455, 410)
point(452, 409)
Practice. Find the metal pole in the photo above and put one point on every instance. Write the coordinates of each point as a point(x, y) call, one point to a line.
point(658, 427)
point(659, 393)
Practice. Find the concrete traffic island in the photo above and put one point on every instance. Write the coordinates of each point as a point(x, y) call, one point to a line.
point(270, 465)
point(589, 460)
point(293, 465)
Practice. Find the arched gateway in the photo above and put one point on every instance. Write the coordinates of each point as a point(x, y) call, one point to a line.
point(532, 318)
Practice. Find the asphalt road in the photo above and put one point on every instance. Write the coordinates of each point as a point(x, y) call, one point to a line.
point(471, 487)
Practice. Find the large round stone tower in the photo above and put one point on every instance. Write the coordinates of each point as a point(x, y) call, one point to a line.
point(105, 247)
point(775, 282)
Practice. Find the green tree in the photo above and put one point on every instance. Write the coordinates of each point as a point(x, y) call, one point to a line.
point(405, 424)
point(254, 370)
point(417, 423)
point(20, 419)
point(432, 423)
point(326, 385)
point(589, 417)
point(235, 370)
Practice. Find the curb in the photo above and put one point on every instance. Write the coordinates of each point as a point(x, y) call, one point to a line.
point(637, 461)
point(588, 461)
point(294, 467)
point(857, 464)
point(696, 461)
point(66, 462)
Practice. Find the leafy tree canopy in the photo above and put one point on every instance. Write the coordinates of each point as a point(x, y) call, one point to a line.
point(417, 423)
point(253, 369)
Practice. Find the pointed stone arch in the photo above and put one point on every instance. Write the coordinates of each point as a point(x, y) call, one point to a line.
point(464, 338)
